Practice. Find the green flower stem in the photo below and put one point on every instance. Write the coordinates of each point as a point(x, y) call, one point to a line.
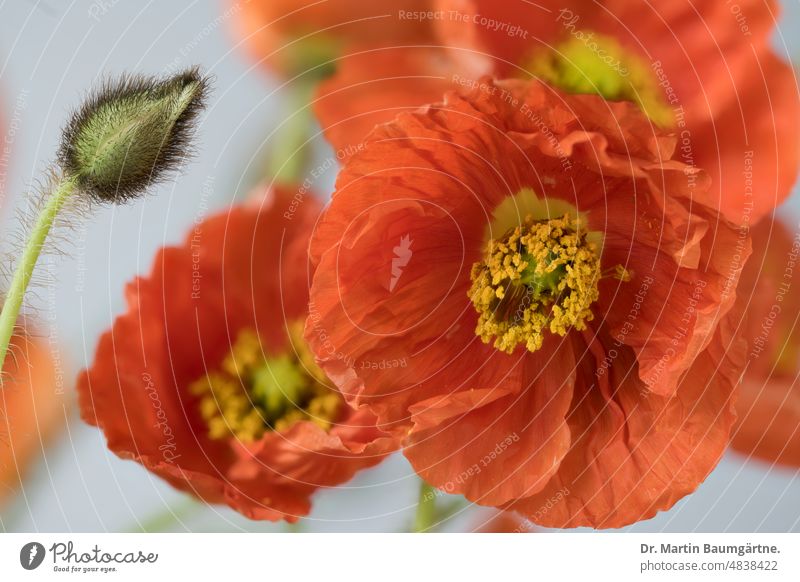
point(24, 271)
point(290, 154)
point(426, 508)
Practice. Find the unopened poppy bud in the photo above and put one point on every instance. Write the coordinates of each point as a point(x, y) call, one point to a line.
point(128, 135)
point(131, 133)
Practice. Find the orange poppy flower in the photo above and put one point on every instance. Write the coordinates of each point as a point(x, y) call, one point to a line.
point(523, 285)
point(768, 426)
point(206, 382)
point(704, 70)
point(32, 409)
point(295, 36)
point(386, 52)
point(374, 85)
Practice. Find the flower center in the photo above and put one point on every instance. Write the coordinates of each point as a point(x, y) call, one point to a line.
point(252, 393)
point(540, 275)
point(590, 63)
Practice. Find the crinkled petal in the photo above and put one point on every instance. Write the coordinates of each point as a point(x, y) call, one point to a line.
point(635, 453)
point(493, 447)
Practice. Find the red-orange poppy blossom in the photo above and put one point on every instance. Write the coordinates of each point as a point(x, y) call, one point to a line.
point(768, 426)
point(524, 285)
point(206, 381)
point(704, 70)
point(307, 36)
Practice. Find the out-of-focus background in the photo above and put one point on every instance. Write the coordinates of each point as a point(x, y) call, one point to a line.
point(50, 53)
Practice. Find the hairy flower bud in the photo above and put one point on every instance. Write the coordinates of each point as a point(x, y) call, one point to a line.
point(131, 133)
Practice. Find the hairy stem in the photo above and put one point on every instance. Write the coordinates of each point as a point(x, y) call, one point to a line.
point(30, 255)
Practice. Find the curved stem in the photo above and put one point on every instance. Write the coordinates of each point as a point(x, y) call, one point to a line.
point(426, 508)
point(30, 255)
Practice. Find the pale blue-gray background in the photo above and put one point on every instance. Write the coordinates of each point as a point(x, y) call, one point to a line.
point(50, 53)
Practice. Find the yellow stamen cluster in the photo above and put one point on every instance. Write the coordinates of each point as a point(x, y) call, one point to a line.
point(541, 275)
point(253, 393)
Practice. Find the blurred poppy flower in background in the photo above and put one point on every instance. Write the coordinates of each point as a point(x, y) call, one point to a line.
point(32, 409)
point(372, 86)
point(701, 70)
point(206, 382)
point(768, 426)
point(306, 42)
point(292, 37)
point(563, 301)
